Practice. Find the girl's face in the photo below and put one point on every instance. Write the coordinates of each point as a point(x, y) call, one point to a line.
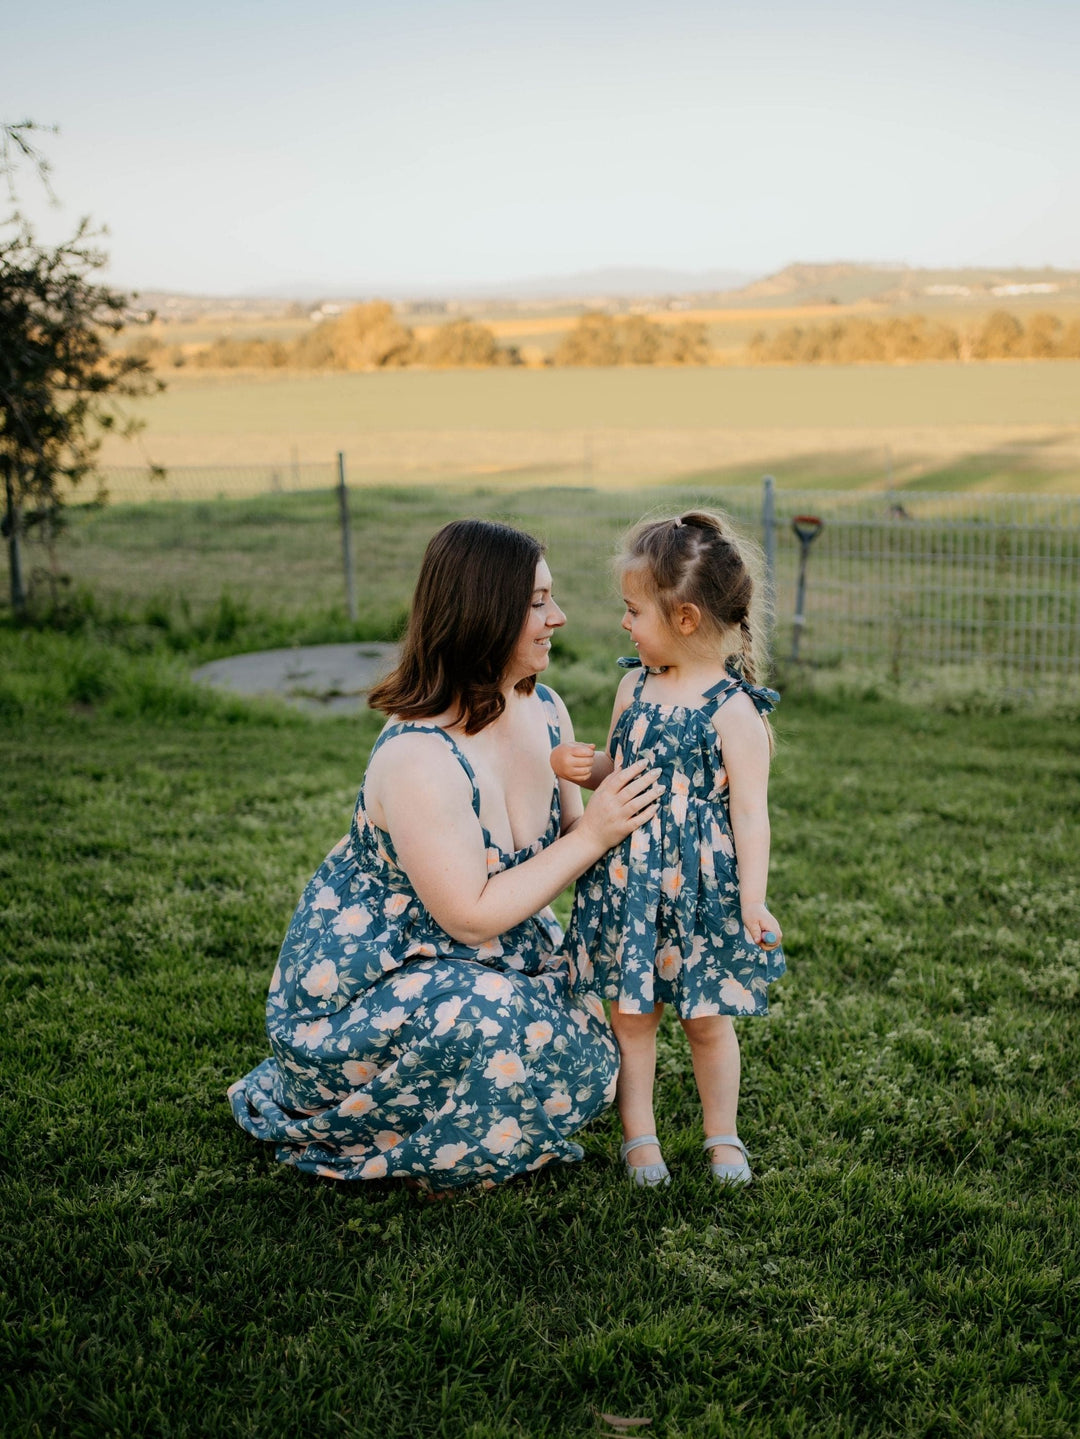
point(645, 624)
point(532, 652)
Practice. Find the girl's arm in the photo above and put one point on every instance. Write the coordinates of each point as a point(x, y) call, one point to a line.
point(745, 747)
point(426, 802)
point(582, 764)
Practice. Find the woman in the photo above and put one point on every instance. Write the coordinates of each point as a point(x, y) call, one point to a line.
point(419, 1022)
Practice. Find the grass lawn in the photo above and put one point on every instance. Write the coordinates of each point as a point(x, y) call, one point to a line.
point(905, 1263)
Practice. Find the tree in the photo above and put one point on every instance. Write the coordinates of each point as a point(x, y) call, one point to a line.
point(59, 384)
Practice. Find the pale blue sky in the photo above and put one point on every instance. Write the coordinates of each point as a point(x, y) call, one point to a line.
point(250, 143)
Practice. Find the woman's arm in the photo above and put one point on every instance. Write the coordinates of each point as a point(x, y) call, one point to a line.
point(745, 747)
point(426, 801)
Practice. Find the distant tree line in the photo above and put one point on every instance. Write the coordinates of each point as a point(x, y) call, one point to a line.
point(371, 337)
point(1001, 336)
point(599, 339)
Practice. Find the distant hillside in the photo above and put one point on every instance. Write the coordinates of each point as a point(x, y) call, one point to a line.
point(848, 283)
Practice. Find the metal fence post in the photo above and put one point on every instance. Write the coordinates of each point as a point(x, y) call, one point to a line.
point(346, 538)
point(768, 536)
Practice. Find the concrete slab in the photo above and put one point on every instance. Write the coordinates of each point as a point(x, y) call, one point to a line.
point(320, 678)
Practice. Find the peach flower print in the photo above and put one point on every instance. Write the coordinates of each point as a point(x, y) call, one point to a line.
point(668, 962)
point(390, 1018)
point(358, 1103)
point(557, 1103)
point(490, 949)
point(395, 904)
point(321, 980)
point(353, 920)
point(359, 1071)
point(312, 1033)
point(616, 873)
point(638, 730)
point(594, 1004)
point(679, 791)
point(503, 1135)
point(418, 950)
point(446, 1014)
point(736, 995)
point(720, 783)
point(505, 1068)
point(671, 882)
point(408, 986)
point(387, 1139)
point(374, 1168)
point(538, 1033)
point(495, 987)
point(449, 1155)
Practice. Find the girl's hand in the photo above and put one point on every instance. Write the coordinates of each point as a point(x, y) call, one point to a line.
point(573, 762)
point(763, 928)
point(626, 799)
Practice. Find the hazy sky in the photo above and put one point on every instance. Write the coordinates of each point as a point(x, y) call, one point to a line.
point(246, 144)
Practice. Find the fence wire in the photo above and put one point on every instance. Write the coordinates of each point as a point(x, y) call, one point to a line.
point(902, 583)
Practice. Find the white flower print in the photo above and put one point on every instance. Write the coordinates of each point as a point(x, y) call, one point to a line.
point(448, 1156)
point(321, 980)
point(505, 1068)
point(503, 1135)
point(354, 920)
point(538, 1034)
point(495, 987)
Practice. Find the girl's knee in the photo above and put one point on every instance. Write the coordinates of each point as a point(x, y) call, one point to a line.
point(710, 1031)
point(630, 1027)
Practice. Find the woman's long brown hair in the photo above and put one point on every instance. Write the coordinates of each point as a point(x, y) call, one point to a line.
point(470, 604)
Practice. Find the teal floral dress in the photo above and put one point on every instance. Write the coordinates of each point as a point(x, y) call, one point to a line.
point(657, 919)
point(398, 1051)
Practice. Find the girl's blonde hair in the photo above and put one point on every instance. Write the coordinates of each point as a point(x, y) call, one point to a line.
point(698, 558)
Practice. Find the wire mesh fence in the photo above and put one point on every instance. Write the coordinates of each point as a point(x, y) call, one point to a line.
point(904, 583)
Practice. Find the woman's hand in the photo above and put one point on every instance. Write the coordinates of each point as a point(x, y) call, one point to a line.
point(573, 762)
point(626, 799)
point(762, 926)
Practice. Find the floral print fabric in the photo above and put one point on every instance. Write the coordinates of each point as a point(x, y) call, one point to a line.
point(657, 919)
point(399, 1051)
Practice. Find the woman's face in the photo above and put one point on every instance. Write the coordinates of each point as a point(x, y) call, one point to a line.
point(532, 652)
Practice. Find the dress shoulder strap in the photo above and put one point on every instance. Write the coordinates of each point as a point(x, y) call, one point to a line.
point(764, 699)
point(412, 727)
point(551, 714)
point(631, 662)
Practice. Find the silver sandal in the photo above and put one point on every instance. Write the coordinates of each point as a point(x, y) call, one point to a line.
point(729, 1173)
point(646, 1176)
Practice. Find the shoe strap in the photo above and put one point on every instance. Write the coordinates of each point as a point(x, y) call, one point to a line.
point(632, 1144)
point(732, 1139)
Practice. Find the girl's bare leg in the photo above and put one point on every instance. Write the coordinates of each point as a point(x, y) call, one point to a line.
point(714, 1048)
point(636, 1034)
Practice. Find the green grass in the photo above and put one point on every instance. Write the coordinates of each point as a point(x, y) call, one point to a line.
point(905, 1264)
point(897, 600)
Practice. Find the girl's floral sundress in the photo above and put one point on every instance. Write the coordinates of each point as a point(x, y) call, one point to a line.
point(399, 1051)
point(657, 919)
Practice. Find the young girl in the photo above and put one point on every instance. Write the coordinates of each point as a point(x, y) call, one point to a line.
point(676, 913)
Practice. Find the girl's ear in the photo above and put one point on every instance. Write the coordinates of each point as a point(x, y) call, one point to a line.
point(687, 619)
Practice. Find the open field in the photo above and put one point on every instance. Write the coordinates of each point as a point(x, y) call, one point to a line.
point(1005, 426)
point(904, 1265)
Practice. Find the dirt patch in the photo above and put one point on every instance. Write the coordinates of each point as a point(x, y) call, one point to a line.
point(321, 678)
